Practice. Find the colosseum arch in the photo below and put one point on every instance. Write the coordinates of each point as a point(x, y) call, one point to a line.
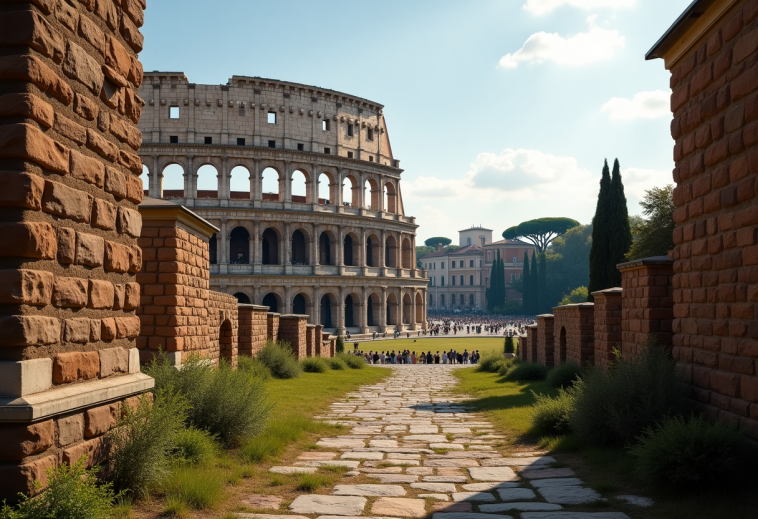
point(239, 183)
point(407, 254)
point(407, 309)
point(273, 301)
point(373, 309)
point(372, 197)
point(350, 190)
point(352, 310)
point(327, 188)
point(270, 184)
point(373, 251)
point(239, 246)
point(301, 304)
point(329, 311)
point(390, 252)
point(390, 194)
point(352, 249)
point(299, 247)
point(393, 309)
point(207, 181)
point(327, 248)
point(270, 239)
point(172, 181)
point(299, 182)
point(242, 298)
point(145, 177)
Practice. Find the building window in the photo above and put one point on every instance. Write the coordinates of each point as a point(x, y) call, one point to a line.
point(325, 125)
point(461, 279)
point(370, 134)
point(349, 130)
point(515, 259)
point(452, 264)
point(272, 144)
point(468, 241)
point(471, 280)
point(443, 281)
point(300, 146)
point(173, 112)
point(452, 280)
point(242, 110)
point(350, 154)
point(513, 278)
point(371, 159)
point(489, 256)
point(272, 117)
point(209, 140)
point(443, 265)
point(480, 263)
point(471, 263)
point(240, 141)
point(327, 151)
point(173, 139)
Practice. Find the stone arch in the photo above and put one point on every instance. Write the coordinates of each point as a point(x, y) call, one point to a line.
point(274, 302)
point(226, 341)
point(390, 197)
point(351, 249)
point(301, 304)
point(352, 310)
point(327, 248)
point(327, 188)
point(271, 184)
point(299, 247)
point(328, 310)
point(392, 310)
point(213, 249)
point(372, 198)
point(242, 298)
point(419, 308)
point(562, 346)
point(299, 181)
point(239, 182)
point(207, 181)
point(350, 193)
point(373, 251)
point(407, 309)
point(145, 177)
point(390, 252)
point(239, 246)
point(407, 254)
point(373, 307)
point(270, 246)
point(172, 180)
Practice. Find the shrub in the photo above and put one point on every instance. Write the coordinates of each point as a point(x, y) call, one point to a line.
point(337, 364)
point(340, 346)
point(353, 361)
point(314, 365)
point(280, 360)
point(551, 415)
point(144, 439)
point(488, 362)
point(72, 493)
point(253, 366)
point(564, 375)
point(190, 488)
point(614, 407)
point(195, 446)
point(689, 454)
point(504, 366)
point(509, 346)
point(527, 371)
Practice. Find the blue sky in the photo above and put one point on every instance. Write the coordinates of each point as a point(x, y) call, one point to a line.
point(499, 110)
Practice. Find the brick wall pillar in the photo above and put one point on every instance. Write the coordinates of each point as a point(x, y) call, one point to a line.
point(310, 340)
point(573, 334)
point(545, 345)
point(607, 325)
point(522, 348)
point(292, 329)
point(647, 303)
point(253, 330)
point(272, 326)
point(531, 343)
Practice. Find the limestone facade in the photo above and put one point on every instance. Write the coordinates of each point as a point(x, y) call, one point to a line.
point(347, 264)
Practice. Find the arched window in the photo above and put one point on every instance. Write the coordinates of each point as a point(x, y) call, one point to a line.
point(298, 248)
point(349, 312)
point(239, 183)
point(172, 183)
point(299, 187)
point(239, 246)
point(369, 253)
point(270, 248)
point(348, 253)
point(326, 311)
point(270, 185)
point(272, 303)
point(298, 305)
point(442, 300)
point(325, 249)
point(242, 298)
point(207, 182)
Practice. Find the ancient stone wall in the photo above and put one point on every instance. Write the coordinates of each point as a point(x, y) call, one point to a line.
point(522, 350)
point(531, 341)
point(292, 330)
point(272, 326)
point(607, 325)
point(715, 105)
point(310, 340)
point(573, 334)
point(69, 173)
point(545, 344)
point(252, 329)
point(223, 326)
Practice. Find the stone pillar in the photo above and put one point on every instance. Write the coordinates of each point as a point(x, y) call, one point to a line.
point(318, 340)
point(191, 185)
point(531, 341)
point(287, 245)
point(341, 312)
point(154, 182)
point(400, 311)
point(647, 303)
point(413, 310)
point(315, 261)
point(383, 311)
point(258, 257)
point(317, 305)
point(253, 328)
point(257, 180)
point(607, 325)
point(381, 207)
point(545, 344)
point(286, 189)
point(224, 243)
point(292, 329)
point(576, 344)
point(310, 340)
point(340, 247)
point(272, 326)
point(364, 310)
point(288, 300)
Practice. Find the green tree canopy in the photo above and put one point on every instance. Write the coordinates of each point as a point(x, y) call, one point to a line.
point(541, 231)
point(438, 240)
point(568, 263)
point(654, 236)
point(578, 295)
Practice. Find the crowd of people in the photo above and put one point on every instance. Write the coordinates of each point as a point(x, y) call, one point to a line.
point(447, 324)
point(410, 357)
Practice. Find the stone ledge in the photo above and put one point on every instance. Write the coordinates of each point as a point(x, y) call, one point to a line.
point(614, 290)
point(646, 262)
point(73, 397)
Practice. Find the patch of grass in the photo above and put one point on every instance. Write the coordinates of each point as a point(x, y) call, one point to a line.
point(353, 361)
point(253, 366)
point(334, 469)
point(525, 371)
point(337, 364)
point(312, 482)
point(314, 365)
point(192, 488)
point(276, 481)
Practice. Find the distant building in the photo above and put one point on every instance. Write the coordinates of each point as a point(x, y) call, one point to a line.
point(459, 279)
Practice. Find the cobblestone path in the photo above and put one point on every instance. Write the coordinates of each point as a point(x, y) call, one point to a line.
point(415, 450)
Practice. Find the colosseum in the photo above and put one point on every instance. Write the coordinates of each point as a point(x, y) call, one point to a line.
point(303, 185)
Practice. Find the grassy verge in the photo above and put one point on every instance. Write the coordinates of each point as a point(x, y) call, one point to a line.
point(219, 485)
point(484, 344)
point(609, 471)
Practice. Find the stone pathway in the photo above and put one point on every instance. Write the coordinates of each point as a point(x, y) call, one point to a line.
point(415, 450)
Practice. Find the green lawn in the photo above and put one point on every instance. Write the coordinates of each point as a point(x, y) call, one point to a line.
point(446, 343)
point(610, 471)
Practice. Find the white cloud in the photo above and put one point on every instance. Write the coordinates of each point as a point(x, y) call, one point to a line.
point(540, 7)
point(597, 44)
point(644, 105)
point(639, 180)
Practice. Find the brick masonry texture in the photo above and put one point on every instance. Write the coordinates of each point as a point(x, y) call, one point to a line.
point(292, 330)
point(252, 329)
point(573, 334)
point(715, 282)
point(68, 72)
point(607, 320)
point(545, 344)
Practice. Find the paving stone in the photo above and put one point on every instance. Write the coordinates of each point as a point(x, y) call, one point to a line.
point(485, 487)
point(449, 471)
point(450, 463)
point(402, 462)
point(452, 507)
point(449, 446)
point(332, 505)
point(395, 478)
point(382, 443)
point(438, 497)
point(559, 482)
point(474, 497)
point(293, 470)
point(493, 474)
point(402, 456)
point(362, 455)
point(399, 507)
point(441, 438)
point(334, 443)
point(547, 473)
point(270, 516)
point(434, 487)
point(317, 456)
point(568, 495)
point(262, 502)
point(424, 429)
point(643, 502)
point(532, 461)
point(445, 479)
point(385, 470)
point(419, 471)
point(515, 494)
point(330, 463)
point(369, 490)
point(520, 507)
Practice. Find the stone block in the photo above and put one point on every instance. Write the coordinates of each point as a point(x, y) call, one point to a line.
point(101, 294)
point(27, 142)
point(76, 330)
point(66, 245)
point(87, 169)
point(89, 250)
point(75, 367)
point(17, 441)
point(32, 69)
point(36, 240)
point(21, 330)
point(129, 222)
point(113, 361)
point(96, 451)
point(81, 66)
point(26, 287)
point(70, 429)
point(70, 292)
point(63, 201)
point(27, 105)
point(103, 215)
point(117, 257)
point(21, 190)
point(26, 377)
point(134, 361)
point(100, 420)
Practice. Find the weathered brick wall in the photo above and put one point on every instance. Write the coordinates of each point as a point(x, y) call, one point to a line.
point(607, 325)
point(174, 280)
point(253, 328)
point(522, 348)
point(223, 327)
point(573, 334)
point(531, 343)
point(646, 304)
point(292, 330)
point(715, 126)
point(545, 344)
point(310, 340)
point(272, 326)
point(69, 178)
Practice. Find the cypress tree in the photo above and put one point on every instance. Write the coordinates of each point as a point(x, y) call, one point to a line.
point(542, 284)
point(534, 286)
point(525, 295)
point(599, 252)
point(621, 236)
point(497, 283)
